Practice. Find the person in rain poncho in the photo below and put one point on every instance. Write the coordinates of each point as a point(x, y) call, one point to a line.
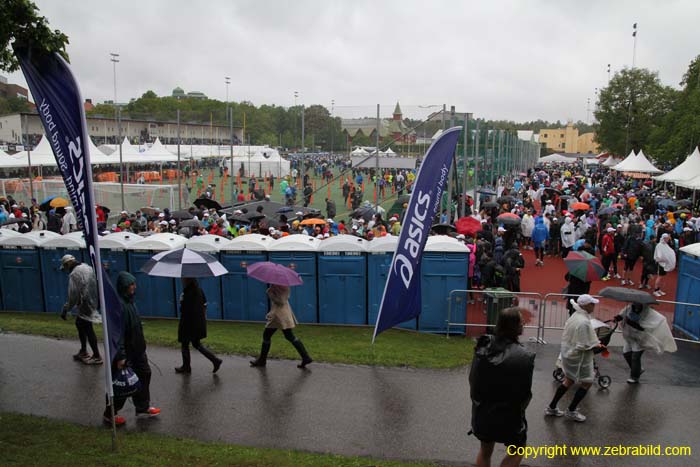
point(665, 257)
point(568, 236)
point(643, 329)
point(82, 294)
point(577, 345)
point(526, 227)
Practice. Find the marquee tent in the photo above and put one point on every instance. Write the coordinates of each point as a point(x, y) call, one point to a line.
point(158, 153)
point(555, 158)
point(690, 168)
point(42, 156)
point(359, 152)
point(611, 161)
point(636, 163)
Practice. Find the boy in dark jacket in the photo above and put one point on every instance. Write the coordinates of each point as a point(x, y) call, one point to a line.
point(132, 353)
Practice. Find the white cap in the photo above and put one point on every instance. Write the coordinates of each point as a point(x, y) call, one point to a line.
point(163, 222)
point(172, 221)
point(14, 206)
point(206, 214)
point(319, 236)
point(586, 299)
point(238, 211)
point(298, 213)
point(354, 227)
point(460, 237)
point(24, 214)
point(161, 215)
point(123, 212)
point(483, 221)
point(326, 235)
point(685, 229)
point(665, 236)
point(361, 221)
point(330, 221)
point(549, 201)
point(610, 229)
point(501, 229)
point(271, 230)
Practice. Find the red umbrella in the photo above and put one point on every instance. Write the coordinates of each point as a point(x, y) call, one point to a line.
point(468, 226)
point(509, 219)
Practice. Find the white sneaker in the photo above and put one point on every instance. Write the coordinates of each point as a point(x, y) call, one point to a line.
point(617, 276)
point(632, 381)
point(623, 282)
point(630, 283)
point(657, 293)
point(553, 412)
point(662, 292)
point(575, 415)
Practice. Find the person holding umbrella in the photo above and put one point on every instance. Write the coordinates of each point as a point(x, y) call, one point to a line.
point(583, 268)
point(280, 315)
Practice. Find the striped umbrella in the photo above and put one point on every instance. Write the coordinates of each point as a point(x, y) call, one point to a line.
point(183, 263)
point(584, 265)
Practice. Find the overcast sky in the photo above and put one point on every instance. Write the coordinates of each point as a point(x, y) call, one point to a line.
point(519, 60)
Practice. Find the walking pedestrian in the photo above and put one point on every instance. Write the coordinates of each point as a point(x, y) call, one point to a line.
point(82, 294)
point(132, 353)
point(665, 257)
point(281, 317)
point(500, 383)
point(193, 325)
point(577, 345)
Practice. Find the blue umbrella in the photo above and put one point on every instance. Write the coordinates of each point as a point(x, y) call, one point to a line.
point(47, 200)
point(667, 203)
point(608, 211)
point(285, 209)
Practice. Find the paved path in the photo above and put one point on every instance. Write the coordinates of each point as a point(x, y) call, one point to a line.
point(353, 410)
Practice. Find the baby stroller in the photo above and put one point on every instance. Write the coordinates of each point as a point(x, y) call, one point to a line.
point(604, 333)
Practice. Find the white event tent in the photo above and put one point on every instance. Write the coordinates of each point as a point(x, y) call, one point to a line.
point(555, 158)
point(689, 169)
point(636, 163)
point(42, 156)
point(611, 161)
point(158, 153)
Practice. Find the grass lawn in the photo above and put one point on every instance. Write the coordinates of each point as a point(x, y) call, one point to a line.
point(334, 344)
point(27, 441)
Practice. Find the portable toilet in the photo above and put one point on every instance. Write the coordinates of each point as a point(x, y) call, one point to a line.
point(6, 233)
point(342, 280)
point(155, 296)
point(443, 269)
point(687, 318)
point(211, 286)
point(113, 253)
point(245, 299)
point(54, 279)
point(20, 271)
point(298, 252)
point(380, 253)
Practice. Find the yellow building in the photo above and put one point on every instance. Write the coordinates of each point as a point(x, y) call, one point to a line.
point(568, 140)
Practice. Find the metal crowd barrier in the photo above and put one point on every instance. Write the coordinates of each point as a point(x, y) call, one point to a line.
point(476, 310)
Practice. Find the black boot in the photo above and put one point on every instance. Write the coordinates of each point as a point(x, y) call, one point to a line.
point(262, 359)
point(305, 359)
point(185, 368)
point(211, 357)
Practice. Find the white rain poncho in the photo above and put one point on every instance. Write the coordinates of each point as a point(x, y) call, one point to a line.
point(82, 293)
point(568, 237)
point(656, 335)
point(665, 256)
point(577, 345)
point(527, 225)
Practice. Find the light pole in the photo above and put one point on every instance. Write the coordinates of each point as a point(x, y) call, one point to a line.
point(114, 59)
point(332, 124)
point(608, 73)
point(227, 80)
point(296, 94)
point(588, 110)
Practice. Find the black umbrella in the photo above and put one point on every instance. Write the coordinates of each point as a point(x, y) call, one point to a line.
point(181, 215)
point(684, 202)
point(207, 203)
point(628, 295)
point(486, 191)
point(681, 211)
point(598, 190)
point(506, 199)
point(365, 212)
point(191, 223)
point(553, 190)
point(489, 205)
point(509, 219)
point(17, 220)
point(284, 209)
point(256, 216)
point(443, 229)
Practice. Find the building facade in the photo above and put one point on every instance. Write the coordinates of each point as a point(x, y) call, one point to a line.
point(568, 140)
point(103, 130)
point(393, 127)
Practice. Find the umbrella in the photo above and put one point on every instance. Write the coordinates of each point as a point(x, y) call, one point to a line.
point(364, 212)
point(16, 220)
point(580, 206)
point(509, 219)
point(608, 211)
point(489, 205)
point(667, 203)
point(207, 203)
point(584, 265)
point(566, 197)
point(149, 211)
point(272, 273)
point(598, 190)
point(284, 209)
point(256, 216)
point(684, 202)
point(313, 222)
point(681, 211)
point(487, 192)
point(443, 229)
point(47, 200)
point(183, 262)
point(181, 215)
point(191, 223)
point(628, 295)
point(468, 226)
point(553, 190)
point(53, 202)
point(505, 199)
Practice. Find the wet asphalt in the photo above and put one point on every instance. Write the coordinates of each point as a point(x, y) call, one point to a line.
point(385, 413)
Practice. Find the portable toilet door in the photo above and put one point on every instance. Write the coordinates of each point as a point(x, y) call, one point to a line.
point(54, 279)
point(6, 233)
point(298, 252)
point(20, 272)
point(211, 286)
point(342, 280)
point(245, 299)
point(113, 253)
point(443, 269)
point(155, 296)
point(687, 318)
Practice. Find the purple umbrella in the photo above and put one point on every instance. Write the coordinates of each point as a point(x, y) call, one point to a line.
point(273, 273)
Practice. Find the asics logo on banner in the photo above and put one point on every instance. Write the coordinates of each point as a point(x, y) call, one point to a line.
point(403, 265)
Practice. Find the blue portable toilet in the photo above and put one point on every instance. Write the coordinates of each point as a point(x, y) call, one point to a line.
point(113, 253)
point(443, 269)
point(6, 233)
point(54, 279)
point(687, 318)
point(211, 286)
point(20, 271)
point(245, 299)
point(342, 280)
point(155, 296)
point(298, 252)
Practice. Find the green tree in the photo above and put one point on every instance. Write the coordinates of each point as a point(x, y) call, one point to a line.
point(20, 24)
point(630, 108)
